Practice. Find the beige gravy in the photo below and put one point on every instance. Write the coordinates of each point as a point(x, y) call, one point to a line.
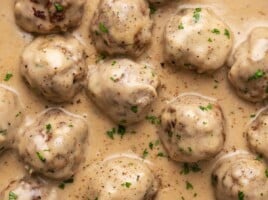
point(240, 15)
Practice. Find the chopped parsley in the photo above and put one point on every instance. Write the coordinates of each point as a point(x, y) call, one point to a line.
point(196, 15)
point(209, 40)
point(145, 153)
point(189, 186)
point(152, 9)
point(266, 173)
point(151, 145)
point(227, 33)
point(113, 63)
point(240, 195)
point(161, 154)
point(3, 132)
point(8, 77)
point(134, 109)
point(257, 75)
point(41, 157)
point(100, 57)
point(216, 31)
point(206, 108)
point(58, 7)
point(12, 196)
point(103, 28)
point(187, 168)
point(48, 128)
point(153, 119)
point(120, 130)
point(252, 115)
point(126, 184)
point(111, 133)
point(63, 183)
point(181, 26)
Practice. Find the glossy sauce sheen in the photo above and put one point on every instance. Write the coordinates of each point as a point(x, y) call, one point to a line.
point(241, 15)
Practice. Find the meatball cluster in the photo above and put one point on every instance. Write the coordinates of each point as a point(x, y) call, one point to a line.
point(54, 66)
point(122, 178)
point(123, 89)
point(249, 72)
point(197, 39)
point(11, 116)
point(121, 27)
point(192, 128)
point(240, 176)
point(257, 134)
point(52, 144)
point(48, 16)
point(28, 189)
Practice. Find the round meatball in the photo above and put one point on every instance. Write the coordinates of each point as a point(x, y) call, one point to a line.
point(123, 89)
point(48, 16)
point(249, 72)
point(192, 128)
point(54, 66)
point(122, 178)
point(240, 176)
point(121, 27)
point(197, 39)
point(11, 116)
point(257, 134)
point(28, 189)
point(52, 144)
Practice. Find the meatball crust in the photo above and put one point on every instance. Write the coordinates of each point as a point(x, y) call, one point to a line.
point(48, 16)
point(11, 116)
point(122, 178)
point(28, 189)
point(123, 89)
point(192, 128)
point(249, 72)
point(257, 134)
point(54, 66)
point(52, 144)
point(197, 39)
point(121, 27)
point(240, 175)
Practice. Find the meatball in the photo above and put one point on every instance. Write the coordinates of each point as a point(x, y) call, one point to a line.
point(48, 16)
point(52, 144)
point(249, 72)
point(122, 178)
point(240, 176)
point(11, 116)
point(121, 27)
point(28, 189)
point(123, 89)
point(257, 134)
point(197, 39)
point(54, 66)
point(192, 128)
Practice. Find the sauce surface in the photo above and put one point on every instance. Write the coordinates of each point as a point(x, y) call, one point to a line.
point(241, 15)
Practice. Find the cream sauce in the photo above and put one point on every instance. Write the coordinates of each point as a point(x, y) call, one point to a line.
point(240, 15)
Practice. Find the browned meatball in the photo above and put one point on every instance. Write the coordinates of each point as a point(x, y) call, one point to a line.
point(240, 176)
point(53, 143)
point(48, 16)
point(192, 128)
point(121, 27)
point(28, 189)
point(249, 72)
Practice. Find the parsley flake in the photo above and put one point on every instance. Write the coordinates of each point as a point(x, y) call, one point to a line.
point(103, 28)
